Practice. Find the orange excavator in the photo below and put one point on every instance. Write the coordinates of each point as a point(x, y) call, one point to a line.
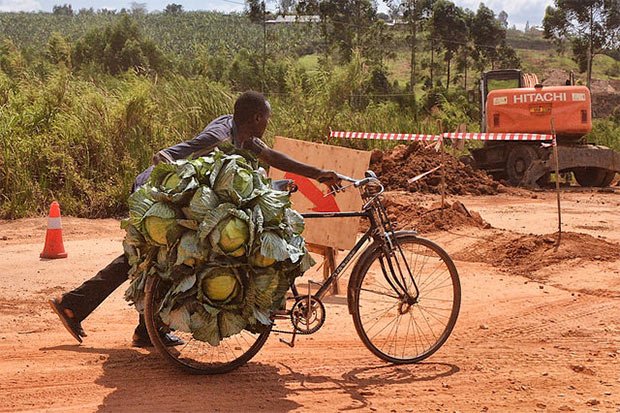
point(514, 102)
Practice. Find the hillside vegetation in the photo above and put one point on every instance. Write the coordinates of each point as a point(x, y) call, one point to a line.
point(86, 99)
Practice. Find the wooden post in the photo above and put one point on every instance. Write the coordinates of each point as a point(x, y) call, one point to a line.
point(330, 266)
point(329, 261)
point(557, 183)
point(443, 169)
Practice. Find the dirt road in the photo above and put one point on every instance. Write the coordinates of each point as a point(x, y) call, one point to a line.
point(542, 337)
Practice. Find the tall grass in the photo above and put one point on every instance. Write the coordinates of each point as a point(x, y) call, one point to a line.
point(82, 141)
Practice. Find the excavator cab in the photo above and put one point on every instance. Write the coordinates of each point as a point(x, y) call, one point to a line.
point(514, 102)
point(499, 80)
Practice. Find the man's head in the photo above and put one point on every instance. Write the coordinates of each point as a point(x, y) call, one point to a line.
point(252, 112)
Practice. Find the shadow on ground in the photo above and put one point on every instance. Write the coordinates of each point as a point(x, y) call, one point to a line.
point(142, 381)
point(145, 382)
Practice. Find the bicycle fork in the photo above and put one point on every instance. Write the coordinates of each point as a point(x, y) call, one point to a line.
point(397, 276)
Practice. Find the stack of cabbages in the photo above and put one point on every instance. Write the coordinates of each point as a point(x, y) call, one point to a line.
point(228, 245)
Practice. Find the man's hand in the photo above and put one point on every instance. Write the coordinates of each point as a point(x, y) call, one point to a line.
point(331, 179)
point(161, 156)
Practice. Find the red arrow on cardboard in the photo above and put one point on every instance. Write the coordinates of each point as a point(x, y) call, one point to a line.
point(313, 193)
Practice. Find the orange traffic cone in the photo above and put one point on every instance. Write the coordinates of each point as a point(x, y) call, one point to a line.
point(53, 238)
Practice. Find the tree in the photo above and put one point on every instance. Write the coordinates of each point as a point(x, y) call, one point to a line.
point(377, 44)
point(413, 12)
point(173, 8)
point(488, 36)
point(118, 48)
point(58, 50)
point(449, 27)
point(286, 7)
point(86, 12)
point(64, 10)
point(256, 10)
point(502, 18)
point(344, 23)
point(591, 26)
point(138, 8)
point(465, 53)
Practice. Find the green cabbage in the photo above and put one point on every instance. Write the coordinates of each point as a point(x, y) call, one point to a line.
point(171, 181)
point(233, 234)
point(227, 245)
point(160, 221)
point(221, 287)
point(157, 228)
point(259, 260)
point(235, 181)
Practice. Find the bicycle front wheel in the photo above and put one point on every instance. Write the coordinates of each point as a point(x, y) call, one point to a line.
point(406, 328)
point(195, 356)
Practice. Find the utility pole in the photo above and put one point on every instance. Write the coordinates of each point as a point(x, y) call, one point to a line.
point(414, 33)
point(264, 81)
point(590, 46)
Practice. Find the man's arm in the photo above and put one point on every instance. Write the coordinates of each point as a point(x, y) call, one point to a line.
point(285, 163)
point(200, 145)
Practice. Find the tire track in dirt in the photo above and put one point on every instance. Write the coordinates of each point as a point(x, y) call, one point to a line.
point(548, 318)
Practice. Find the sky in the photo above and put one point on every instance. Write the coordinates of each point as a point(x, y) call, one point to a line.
point(519, 11)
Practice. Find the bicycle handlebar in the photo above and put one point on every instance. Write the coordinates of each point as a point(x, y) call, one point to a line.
point(358, 182)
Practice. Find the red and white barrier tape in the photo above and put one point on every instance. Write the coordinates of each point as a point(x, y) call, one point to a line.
point(524, 137)
point(384, 136)
point(499, 136)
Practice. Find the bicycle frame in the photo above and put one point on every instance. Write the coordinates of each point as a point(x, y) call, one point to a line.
point(365, 238)
point(387, 263)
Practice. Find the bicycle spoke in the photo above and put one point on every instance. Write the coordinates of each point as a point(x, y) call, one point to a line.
point(406, 336)
point(379, 293)
point(421, 334)
point(405, 330)
point(427, 323)
point(384, 327)
point(437, 299)
point(430, 282)
point(381, 315)
point(396, 324)
point(422, 284)
point(440, 287)
point(195, 355)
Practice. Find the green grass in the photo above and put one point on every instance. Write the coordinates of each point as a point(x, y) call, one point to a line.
point(541, 61)
point(309, 62)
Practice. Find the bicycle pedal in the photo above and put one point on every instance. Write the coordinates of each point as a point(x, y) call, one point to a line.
point(281, 314)
point(290, 344)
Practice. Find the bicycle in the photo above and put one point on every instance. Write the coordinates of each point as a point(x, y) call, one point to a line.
point(397, 277)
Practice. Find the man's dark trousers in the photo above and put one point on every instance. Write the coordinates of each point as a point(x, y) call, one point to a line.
point(84, 299)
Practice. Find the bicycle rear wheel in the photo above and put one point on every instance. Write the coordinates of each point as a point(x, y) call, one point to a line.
point(195, 356)
point(399, 329)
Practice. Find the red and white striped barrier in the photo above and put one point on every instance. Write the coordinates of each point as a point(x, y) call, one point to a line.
point(384, 136)
point(524, 137)
point(499, 136)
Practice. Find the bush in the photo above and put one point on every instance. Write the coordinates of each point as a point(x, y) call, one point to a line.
point(118, 48)
point(606, 132)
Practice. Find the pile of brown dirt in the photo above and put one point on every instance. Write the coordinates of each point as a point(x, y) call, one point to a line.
point(403, 209)
point(605, 93)
point(526, 254)
point(397, 166)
